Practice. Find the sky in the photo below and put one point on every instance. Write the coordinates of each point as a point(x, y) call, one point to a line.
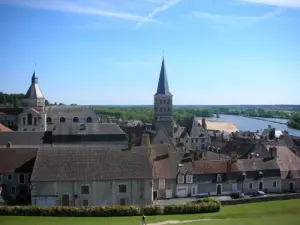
point(109, 52)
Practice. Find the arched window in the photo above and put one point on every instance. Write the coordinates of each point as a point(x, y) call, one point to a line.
point(89, 120)
point(75, 119)
point(49, 120)
point(29, 119)
point(62, 119)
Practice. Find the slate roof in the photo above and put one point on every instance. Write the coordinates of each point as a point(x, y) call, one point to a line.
point(91, 165)
point(163, 86)
point(13, 158)
point(243, 149)
point(88, 128)
point(256, 165)
point(23, 138)
point(66, 108)
point(287, 161)
point(34, 90)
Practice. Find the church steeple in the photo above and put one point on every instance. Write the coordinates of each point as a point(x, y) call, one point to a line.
point(34, 79)
point(163, 86)
point(163, 103)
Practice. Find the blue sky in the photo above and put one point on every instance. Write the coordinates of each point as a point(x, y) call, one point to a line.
point(110, 51)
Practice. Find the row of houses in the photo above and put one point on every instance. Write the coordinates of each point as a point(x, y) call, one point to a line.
point(103, 175)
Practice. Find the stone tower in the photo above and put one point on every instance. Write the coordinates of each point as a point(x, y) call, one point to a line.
point(163, 105)
point(33, 117)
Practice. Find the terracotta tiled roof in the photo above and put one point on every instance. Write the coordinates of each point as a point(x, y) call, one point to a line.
point(13, 158)
point(214, 166)
point(4, 128)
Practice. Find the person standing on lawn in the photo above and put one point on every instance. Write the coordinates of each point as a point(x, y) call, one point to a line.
point(144, 220)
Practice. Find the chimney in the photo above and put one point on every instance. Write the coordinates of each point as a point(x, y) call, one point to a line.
point(145, 139)
point(229, 166)
point(204, 123)
point(8, 145)
point(250, 156)
point(273, 152)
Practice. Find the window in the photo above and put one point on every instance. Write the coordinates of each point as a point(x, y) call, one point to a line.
point(24, 120)
point(162, 183)
point(13, 190)
point(169, 109)
point(0, 178)
point(122, 201)
point(89, 120)
point(29, 119)
point(85, 189)
point(9, 177)
point(62, 119)
point(189, 179)
point(274, 183)
point(35, 121)
point(180, 179)
point(21, 178)
point(122, 188)
point(76, 120)
point(219, 178)
point(49, 120)
point(85, 202)
point(250, 186)
point(29, 177)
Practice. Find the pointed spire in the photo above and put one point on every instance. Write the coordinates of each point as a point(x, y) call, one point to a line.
point(163, 86)
point(34, 79)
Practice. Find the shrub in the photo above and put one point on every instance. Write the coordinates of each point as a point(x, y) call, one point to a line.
point(150, 210)
point(107, 211)
point(203, 207)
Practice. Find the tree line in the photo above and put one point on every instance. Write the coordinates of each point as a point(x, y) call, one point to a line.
point(181, 114)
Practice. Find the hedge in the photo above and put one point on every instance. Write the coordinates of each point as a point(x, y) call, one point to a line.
point(107, 211)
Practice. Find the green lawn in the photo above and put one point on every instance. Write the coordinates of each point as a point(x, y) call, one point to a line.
point(268, 213)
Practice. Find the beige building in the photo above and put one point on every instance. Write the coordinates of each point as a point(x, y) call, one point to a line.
point(77, 177)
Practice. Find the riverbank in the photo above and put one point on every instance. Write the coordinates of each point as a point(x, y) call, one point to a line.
point(252, 124)
point(267, 120)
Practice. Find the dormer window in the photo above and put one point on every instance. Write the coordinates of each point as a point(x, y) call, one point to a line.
point(219, 178)
point(180, 179)
point(189, 178)
point(260, 174)
point(244, 176)
point(62, 119)
point(89, 120)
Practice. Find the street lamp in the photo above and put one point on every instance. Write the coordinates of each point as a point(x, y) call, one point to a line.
point(243, 179)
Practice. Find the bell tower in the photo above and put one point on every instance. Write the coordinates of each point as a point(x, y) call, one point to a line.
point(163, 103)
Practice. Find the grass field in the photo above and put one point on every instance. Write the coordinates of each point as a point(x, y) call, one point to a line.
point(278, 212)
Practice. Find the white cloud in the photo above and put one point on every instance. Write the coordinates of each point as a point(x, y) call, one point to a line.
point(279, 3)
point(235, 19)
point(164, 7)
point(114, 9)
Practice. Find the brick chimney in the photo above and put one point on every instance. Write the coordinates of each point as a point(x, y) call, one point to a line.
point(273, 151)
point(145, 139)
point(229, 166)
point(204, 123)
point(8, 145)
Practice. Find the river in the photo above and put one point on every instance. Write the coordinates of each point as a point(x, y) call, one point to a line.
point(249, 124)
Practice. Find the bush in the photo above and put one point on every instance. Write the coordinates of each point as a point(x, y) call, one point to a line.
point(150, 210)
point(108, 211)
point(203, 207)
point(207, 200)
